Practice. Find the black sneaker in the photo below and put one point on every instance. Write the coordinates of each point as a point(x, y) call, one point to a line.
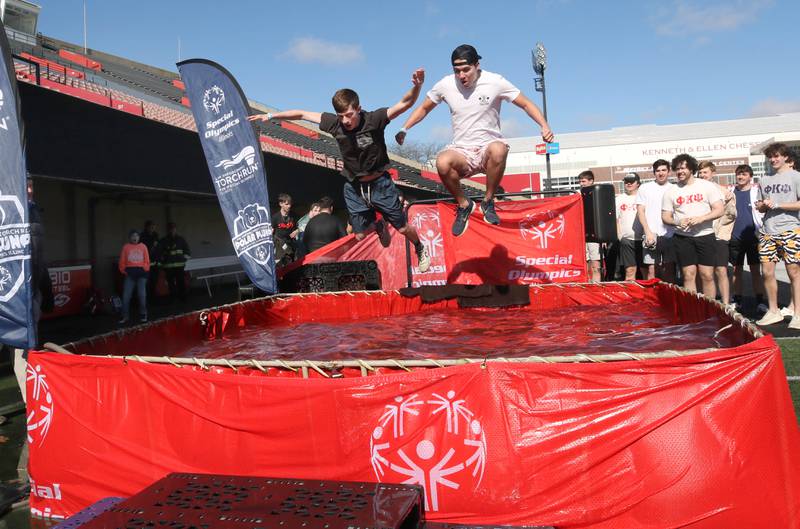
point(143, 319)
point(489, 213)
point(383, 233)
point(462, 218)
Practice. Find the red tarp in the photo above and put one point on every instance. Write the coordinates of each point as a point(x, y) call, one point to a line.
point(708, 439)
point(538, 241)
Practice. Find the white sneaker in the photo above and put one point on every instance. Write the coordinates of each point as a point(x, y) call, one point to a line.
point(423, 259)
point(795, 323)
point(786, 312)
point(770, 318)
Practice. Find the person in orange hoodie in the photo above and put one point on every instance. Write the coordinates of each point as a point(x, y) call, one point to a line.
point(134, 264)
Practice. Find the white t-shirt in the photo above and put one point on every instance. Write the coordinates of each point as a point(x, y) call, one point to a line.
point(692, 200)
point(651, 196)
point(629, 226)
point(474, 112)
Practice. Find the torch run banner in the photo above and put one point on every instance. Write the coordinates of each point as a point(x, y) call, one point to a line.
point(235, 163)
point(16, 322)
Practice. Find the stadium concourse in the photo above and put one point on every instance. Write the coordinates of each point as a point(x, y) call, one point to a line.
point(115, 138)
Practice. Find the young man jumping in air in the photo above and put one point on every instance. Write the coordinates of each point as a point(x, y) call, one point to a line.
point(369, 188)
point(474, 97)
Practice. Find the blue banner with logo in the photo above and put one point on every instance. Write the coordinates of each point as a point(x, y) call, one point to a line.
point(17, 327)
point(235, 163)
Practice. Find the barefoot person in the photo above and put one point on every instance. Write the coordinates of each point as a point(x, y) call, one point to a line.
point(474, 97)
point(369, 188)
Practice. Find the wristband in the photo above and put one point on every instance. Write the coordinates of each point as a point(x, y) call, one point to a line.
point(403, 130)
point(269, 116)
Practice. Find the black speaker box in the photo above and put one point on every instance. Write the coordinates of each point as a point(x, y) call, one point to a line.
point(599, 219)
point(333, 277)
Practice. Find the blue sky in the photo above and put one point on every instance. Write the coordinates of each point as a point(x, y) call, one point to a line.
point(610, 64)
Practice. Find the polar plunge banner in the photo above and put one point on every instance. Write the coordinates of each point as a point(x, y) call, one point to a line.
point(17, 327)
point(236, 165)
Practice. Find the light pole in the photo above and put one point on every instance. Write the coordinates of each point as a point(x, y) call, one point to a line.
point(539, 60)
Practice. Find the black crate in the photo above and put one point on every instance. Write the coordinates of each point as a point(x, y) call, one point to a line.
point(333, 277)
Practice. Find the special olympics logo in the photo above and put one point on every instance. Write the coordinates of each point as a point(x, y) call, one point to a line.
point(40, 407)
point(542, 227)
point(213, 99)
point(433, 441)
point(429, 229)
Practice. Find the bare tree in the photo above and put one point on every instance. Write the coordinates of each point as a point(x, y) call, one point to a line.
point(419, 151)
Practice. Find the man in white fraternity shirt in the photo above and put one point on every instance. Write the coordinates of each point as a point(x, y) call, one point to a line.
point(474, 97)
point(629, 229)
point(691, 207)
point(659, 252)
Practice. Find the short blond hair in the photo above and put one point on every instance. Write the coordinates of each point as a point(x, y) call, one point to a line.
point(705, 164)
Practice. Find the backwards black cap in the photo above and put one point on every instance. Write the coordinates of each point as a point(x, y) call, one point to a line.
point(464, 54)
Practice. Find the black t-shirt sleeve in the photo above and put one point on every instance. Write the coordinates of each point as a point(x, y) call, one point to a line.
point(327, 122)
point(378, 118)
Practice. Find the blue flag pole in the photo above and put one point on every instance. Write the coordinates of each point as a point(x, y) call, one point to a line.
point(236, 164)
point(17, 327)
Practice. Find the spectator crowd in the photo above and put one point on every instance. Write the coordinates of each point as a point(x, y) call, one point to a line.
point(697, 232)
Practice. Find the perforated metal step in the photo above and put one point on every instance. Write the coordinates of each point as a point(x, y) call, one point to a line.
point(204, 501)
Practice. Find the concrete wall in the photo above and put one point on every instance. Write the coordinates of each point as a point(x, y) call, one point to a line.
point(68, 232)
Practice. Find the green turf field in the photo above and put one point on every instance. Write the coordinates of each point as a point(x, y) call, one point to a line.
point(791, 362)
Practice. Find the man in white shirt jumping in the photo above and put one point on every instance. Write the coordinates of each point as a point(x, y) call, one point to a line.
point(474, 97)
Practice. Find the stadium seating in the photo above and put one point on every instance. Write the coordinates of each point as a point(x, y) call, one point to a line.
point(158, 95)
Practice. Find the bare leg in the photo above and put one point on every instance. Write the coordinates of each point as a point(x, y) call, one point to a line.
point(450, 166)
point(630, 273)
point(494, 163)
point(721, 273)
point(649, 271)
point(706, 274)
point(594, 271)
point(690, 278)
point(793, 269)
point(770, 285)
point(410, 233)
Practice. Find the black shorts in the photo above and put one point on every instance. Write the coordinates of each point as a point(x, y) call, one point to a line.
point(721, 252)
point(739, 248)
point(363, 199)
point(663, 253)
point(692, 251)
point(630, 253)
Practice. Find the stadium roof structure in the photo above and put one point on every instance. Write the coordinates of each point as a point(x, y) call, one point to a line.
point(158, 94)
point(789, 122)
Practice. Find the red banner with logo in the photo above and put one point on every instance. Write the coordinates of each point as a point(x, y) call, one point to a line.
point(708, 440)
point(537, 241)
point(71, 287)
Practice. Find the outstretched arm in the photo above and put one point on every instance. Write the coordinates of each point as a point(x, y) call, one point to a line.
point(313, 117)
point(418, 115)
point(536, 115)
point(410, 97)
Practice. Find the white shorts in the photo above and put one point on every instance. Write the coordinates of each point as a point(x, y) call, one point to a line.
point(592, 251)
point(474, 155)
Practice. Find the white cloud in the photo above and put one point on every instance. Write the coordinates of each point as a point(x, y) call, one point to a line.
point(314, 50)
point(431, 9)
point(772, 107)
point(692, 17)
